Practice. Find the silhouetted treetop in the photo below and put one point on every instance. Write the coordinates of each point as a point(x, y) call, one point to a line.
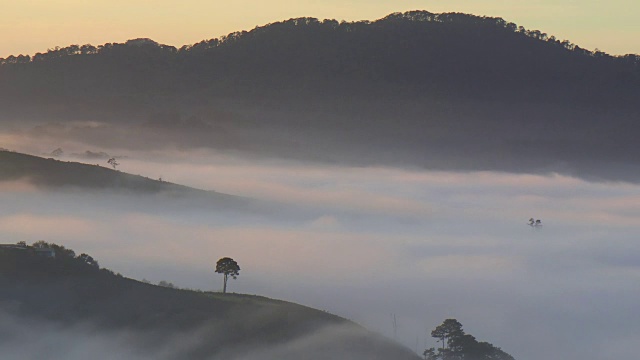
point(457, 345)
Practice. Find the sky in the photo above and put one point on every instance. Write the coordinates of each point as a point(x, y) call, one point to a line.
point(31, 26)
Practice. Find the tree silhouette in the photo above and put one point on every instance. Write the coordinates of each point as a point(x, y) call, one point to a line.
point(430, 354)
point(534, 223)
point(448, 330)
point(61, 251)
point(461, 346)
point(113, 162)
point(89, 260)
point(228, 267)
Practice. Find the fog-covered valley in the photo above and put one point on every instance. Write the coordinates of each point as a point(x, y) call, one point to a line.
point(369, 243)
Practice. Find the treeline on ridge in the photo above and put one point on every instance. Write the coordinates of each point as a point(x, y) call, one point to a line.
point(417, 52)
point(41, 255)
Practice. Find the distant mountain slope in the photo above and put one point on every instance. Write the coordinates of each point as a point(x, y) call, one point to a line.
point(56, 173)
point(67, 293)
point(52, 174)
point(444, 91)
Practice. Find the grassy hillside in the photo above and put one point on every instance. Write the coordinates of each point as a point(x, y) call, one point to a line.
point(68, 291)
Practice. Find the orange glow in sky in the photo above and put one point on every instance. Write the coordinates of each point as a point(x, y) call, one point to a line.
point(30, 26)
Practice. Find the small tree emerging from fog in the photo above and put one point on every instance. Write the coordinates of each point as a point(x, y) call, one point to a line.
point(227, 267)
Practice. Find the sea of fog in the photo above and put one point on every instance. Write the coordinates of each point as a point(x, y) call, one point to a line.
point(371, 244)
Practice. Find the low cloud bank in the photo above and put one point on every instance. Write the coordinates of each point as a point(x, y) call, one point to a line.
point(368, 242)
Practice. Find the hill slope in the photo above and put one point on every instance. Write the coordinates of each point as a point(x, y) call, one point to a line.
point(445, 91)
point(65, 293)
point(55, 174)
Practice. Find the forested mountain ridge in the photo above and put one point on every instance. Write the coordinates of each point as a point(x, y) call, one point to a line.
point(420, 51)
point(444, 91)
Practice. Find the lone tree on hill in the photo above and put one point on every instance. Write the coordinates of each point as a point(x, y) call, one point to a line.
point(228, 267)
point(113, 162)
